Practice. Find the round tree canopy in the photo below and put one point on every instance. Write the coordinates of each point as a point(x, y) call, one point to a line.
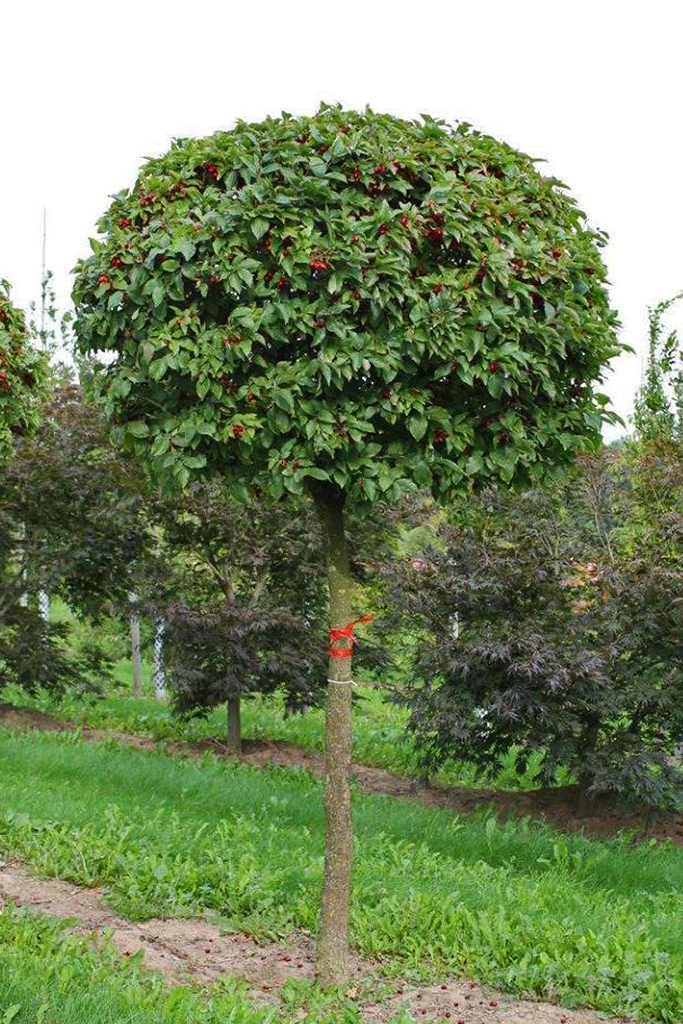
point(21, 370)
point(350, 297)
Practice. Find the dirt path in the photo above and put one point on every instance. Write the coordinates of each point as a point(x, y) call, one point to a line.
point(181, 948)
point(556, 806)
point(194, 950)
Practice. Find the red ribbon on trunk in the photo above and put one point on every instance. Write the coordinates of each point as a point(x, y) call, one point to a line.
point(346, 633)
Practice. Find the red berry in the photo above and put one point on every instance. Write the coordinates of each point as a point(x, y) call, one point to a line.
point(211, 169)
point(440, 436)
point(356, 238)
point(237, 431)
point(387, 393)
point(493, 1002)
point(557, 253)
point(355, 174)
point(380, 169)
point(268, 276)
point(281, 283)
point(117, 262)
point(444, 987)
point(103, 279)
point(123, 222)
point(383, 229)
point(405, 220)
point(494, 366)
point(437, 289)
point(319, 265)
point(320, 323)
point(147, 199)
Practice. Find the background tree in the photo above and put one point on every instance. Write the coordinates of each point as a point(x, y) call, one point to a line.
point(72, 520)
point(355, 305)
point(22, 369)
point(658, 414)
point(568, 641)
point(243, 599)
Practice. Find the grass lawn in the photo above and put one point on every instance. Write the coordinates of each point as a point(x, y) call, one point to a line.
point(514, 905)
point(380, 737)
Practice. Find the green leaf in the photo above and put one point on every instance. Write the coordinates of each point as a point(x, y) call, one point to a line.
point(158, 368)
point(186, 247)
point(284, 400)
point(318, 166)
point(475, 464)
point(259, 227)
point(417, 425)
point(422, 474)
point(370, 489)
point(138, 428)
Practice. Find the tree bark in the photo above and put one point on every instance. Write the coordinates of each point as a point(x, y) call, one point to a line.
point(234, 730)
point(136, 656)
point(585, 804)
point(333, 965)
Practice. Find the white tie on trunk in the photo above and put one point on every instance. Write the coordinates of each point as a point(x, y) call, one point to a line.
point(159, 673)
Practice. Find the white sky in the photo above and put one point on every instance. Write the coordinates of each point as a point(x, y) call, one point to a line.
point(89, 89)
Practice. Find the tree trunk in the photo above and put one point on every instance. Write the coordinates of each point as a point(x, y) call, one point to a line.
point(585, 804)
point(136, 656)
point(332, 964)
point(234, 731)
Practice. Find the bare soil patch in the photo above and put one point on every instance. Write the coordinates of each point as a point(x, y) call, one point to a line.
point(181, 949)
point(12, 717)
point(556, 806)
point(194, 950)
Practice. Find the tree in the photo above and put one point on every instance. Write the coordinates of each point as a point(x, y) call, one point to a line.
point(22, 369)
point(568, 640)
point(78, 502)
point(245, 600)
point(71, 520)
point(658, 413)
point(354, 305)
